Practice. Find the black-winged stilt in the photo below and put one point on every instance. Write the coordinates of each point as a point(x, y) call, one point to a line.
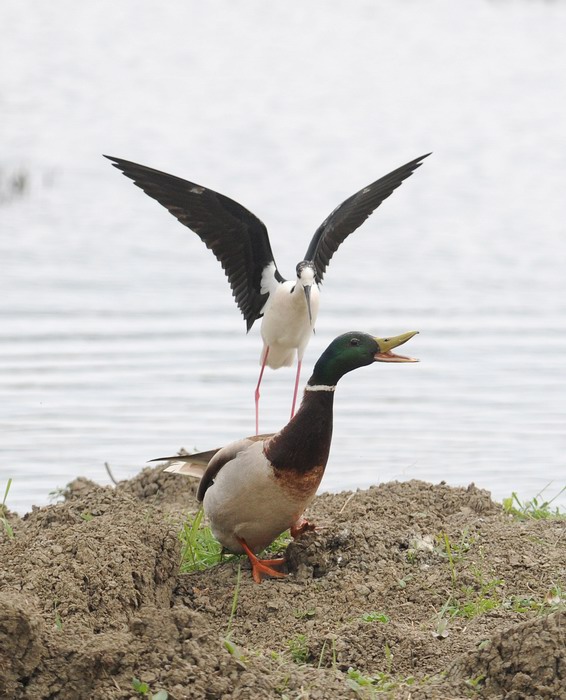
point(240, 242)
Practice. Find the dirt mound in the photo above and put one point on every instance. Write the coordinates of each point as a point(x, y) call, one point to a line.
point(408, 589)
point(527, 661)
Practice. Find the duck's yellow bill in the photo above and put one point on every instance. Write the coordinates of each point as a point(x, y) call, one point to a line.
point(385, 345)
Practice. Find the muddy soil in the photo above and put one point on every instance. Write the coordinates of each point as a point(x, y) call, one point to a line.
point(409, 590)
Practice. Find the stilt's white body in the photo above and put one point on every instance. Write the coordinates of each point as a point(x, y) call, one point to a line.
point(247, 500)
point(286, 327)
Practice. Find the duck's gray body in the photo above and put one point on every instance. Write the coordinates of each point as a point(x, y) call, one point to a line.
point(248, 499)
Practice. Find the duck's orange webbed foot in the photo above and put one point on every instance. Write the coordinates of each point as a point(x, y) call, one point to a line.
point(262, 567)
point(300, 527)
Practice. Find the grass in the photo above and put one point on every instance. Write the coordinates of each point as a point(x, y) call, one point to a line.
point(370, 685)
point(448, 550)
point(535, 509)
point(380, 682)
point(364, 684)
point(476, 682)
point(323, 650)
point(229, 645)
point(235, 599)
point(553, 600)
point(279, 544)
point(144, 690)
point(487, 592)
point(465, 601)
point(3, 510)
point(375, 617)
point(299, 649)
point(468, 601)
point(472, 603)
point(58, 620)
point(486, 595)
point(402, 582)
point(454, 552)
point(200, 549)
point(58, 494)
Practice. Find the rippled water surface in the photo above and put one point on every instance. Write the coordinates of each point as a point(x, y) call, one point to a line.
point(119, 339)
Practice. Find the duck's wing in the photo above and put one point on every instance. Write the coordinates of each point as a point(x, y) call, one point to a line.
point(237, 237)
point(351, 214)
point(206, 465)
point(222, 457)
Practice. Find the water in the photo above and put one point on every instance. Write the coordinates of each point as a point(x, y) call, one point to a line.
point(119, 339)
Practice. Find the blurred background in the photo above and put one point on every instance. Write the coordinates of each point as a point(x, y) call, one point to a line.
point(119, 337)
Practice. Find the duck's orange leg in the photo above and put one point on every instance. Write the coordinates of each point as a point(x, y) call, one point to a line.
point(262, 566)
point(300, 527)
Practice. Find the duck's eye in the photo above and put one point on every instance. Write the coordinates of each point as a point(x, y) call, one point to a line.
point(355, 341)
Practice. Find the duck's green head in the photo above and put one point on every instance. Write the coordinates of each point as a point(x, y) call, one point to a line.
point(352, 350)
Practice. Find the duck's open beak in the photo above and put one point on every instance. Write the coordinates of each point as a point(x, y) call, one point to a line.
point(385, 345)
point(307, 291)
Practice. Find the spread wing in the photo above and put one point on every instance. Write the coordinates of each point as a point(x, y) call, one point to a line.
point(237, 238)
point(351, 214)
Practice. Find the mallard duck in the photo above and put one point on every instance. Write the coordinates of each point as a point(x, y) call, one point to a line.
point(240, 242)
point(256, 488)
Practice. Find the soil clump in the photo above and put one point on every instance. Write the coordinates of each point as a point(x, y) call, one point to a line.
point(408, 590)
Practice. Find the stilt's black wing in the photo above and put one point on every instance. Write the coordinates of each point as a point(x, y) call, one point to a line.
point(237, 238)
point(352, 213)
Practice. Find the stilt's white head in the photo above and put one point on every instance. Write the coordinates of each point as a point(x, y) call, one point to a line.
point(306, 277)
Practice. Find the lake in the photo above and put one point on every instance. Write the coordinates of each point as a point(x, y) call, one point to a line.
point(119, 338)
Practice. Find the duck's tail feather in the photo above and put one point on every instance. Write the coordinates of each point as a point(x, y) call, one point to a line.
point(190, 465)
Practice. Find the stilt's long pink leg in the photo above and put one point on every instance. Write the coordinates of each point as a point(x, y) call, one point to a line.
point(257, 390)
point(296, 387)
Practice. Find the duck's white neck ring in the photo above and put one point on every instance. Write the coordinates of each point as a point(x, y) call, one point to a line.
point(319, 387)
